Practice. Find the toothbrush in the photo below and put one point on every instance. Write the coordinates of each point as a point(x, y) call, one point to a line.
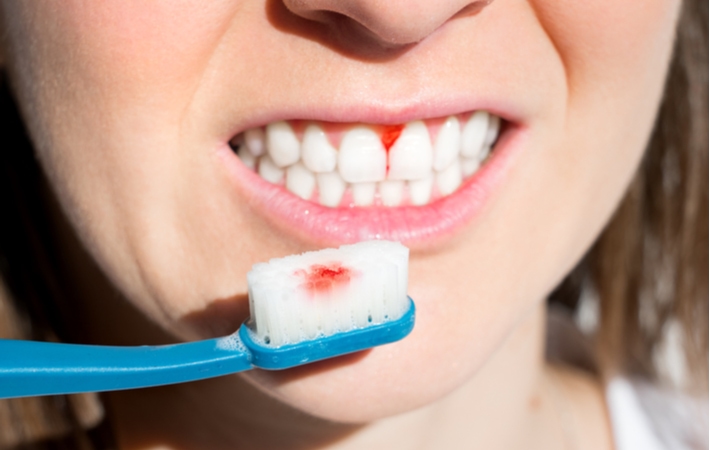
point(304, 308)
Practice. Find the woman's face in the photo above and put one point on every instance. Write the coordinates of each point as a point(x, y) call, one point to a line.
point(132, 106)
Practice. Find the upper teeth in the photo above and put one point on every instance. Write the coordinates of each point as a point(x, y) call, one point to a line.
point(282, 144)
point(412, 171)
point(411, 157)
point(316, 152)
point(473, 134)
point(448, 144)
point(362, 157)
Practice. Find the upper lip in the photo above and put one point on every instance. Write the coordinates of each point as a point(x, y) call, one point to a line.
point(373, 111)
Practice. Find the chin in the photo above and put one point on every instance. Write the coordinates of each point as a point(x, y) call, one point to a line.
point(422, 369)
point(354, 389)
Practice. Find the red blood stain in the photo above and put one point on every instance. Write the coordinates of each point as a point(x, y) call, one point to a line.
point(321, 278)
point(389, 136)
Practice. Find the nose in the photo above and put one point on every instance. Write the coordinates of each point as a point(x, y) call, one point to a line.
point(391, 23)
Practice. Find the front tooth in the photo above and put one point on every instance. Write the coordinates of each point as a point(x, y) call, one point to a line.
point(363, 193)
point(300, 181)
point(254, 138)
point(420, 190)
point(469, 166)
point(474, 134)
point(247, 157)
point(331, 188)
point(449, 179)
point(448, 141)
point(282, 144)
point(269, 171)
point(493, 129)
point(317, 153)
point(411, 157)
point(391, 192)
point(362, 158)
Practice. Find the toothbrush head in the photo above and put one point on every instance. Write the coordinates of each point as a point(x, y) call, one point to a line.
point(326, 303)
point(270, 357)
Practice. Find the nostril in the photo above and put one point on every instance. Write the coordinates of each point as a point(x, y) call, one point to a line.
point(390, 24)
point(472, 8)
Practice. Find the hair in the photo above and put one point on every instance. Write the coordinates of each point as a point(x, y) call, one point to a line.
point(648, 269)
point(651, 264)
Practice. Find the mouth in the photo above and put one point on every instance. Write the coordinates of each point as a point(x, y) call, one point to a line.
point(336, 183)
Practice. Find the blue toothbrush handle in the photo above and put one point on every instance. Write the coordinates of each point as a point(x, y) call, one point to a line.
point(29, 368)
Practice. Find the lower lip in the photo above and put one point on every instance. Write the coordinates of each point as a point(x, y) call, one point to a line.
point(417, 226)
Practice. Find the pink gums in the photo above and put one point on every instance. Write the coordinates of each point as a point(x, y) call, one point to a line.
point(321, 279)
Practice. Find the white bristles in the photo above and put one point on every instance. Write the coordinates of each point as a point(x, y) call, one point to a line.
point(317, 294)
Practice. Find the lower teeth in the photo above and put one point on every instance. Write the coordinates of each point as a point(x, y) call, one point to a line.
point(330, 190)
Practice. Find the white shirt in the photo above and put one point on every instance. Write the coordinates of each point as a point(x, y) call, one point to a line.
point(646, 417)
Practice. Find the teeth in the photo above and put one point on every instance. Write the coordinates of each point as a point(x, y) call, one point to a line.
point(282, 144)
point(318, 155)
point(331, 188)
point(269, 171)
point(469, 166)
point(254, 139)
point(411, 156)
point(418, 172)
point(363, 193)
point(247, 157)
point(493, 129)
point(474, 134)
point(300, 181)
point(420, 190)
point(362, 158)
point(391, 192)
point(448, 141)
point(449, 179)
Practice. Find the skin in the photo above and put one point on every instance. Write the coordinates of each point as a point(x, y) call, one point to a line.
point(126, 103)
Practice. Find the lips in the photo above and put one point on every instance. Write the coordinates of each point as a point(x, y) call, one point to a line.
point(336, 183)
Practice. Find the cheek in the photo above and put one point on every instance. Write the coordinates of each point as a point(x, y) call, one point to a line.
point(598, 39)
point(614, 55)
point(615, 60)
point(569, 184)
point(100, 81)
point(106, 88)
point(119, 44)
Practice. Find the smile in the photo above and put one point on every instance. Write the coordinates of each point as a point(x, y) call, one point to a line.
point(359, 165)
point(330, 183)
